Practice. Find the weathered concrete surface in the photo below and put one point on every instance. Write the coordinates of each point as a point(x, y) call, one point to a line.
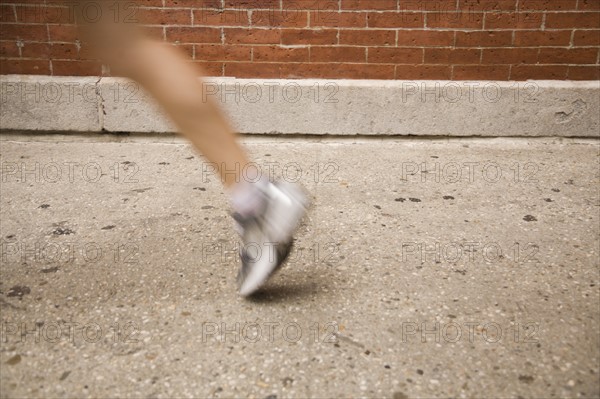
point(50, 103)
point(320, 107)
point(387, 251)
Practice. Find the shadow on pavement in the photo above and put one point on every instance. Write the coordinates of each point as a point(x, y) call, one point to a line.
point(284, 292)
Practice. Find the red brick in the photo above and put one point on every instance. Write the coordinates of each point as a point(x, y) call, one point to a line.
point(395, 55)
point(548, 5)
point(373, 39)
point(28, 67)
point(368, 37)
point(213, 17)
point(324, 6)
point(481, 72)
point(30, 13)
point(487, 5)
point(279, 54)
point(577, 72)
point(253, 4)
point(76, 68)
point(438, 72)
point(9, 49)
point(455, 20)
point(252, 36)
point(542, 38)
point(218, 52)
point(484, 39)
point(501, 56)
point(565, 20)
point(42, 14)
point(63, 33)
point(145, 3)
point(337, 71)
point(587, 38)
point(190, 3)
point(297, 19)
point(428, 5)
point(396, 20)
point(63, 51)
point(589, 5)
point(193, 35)
point(338, 54)
point(253, 70)
point(452, 56)
point(425, 38)
point(514, 20)
point(365, 5)
point(568, 56)
point(156, 16)
point(339, 19)
point(36, 50)
point(305, 36)
point(23, 32)
point(7, 13)
point(526, 72)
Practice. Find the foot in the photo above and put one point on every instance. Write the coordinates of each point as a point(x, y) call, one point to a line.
point(268, 236)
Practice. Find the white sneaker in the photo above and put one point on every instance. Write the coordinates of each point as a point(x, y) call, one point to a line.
point(268, 236)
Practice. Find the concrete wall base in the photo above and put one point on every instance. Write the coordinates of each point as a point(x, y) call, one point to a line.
point(318, 107)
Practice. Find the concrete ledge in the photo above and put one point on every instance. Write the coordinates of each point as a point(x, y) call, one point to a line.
point(321, 107)
point(49, 103)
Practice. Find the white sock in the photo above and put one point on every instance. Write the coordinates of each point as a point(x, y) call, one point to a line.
point(247, 198)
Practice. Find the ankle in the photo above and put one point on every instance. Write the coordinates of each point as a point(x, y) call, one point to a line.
point(247, 198)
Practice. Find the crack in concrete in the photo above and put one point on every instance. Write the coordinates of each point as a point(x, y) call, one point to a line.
point(101, 109)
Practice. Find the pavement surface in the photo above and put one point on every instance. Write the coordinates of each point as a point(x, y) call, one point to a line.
point(425, 268)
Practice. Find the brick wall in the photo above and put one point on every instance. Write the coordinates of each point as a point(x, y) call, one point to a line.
point(356, 39)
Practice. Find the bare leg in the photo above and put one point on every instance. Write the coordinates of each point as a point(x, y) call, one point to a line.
point(173, 82)
point(165, 73)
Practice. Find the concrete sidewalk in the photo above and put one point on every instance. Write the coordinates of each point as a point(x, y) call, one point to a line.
point(426, 268)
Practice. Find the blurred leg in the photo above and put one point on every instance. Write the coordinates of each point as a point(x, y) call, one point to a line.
point(174, 83)
point(168, 76)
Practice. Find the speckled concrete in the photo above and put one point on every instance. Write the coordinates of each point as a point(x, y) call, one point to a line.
point(409, 279)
